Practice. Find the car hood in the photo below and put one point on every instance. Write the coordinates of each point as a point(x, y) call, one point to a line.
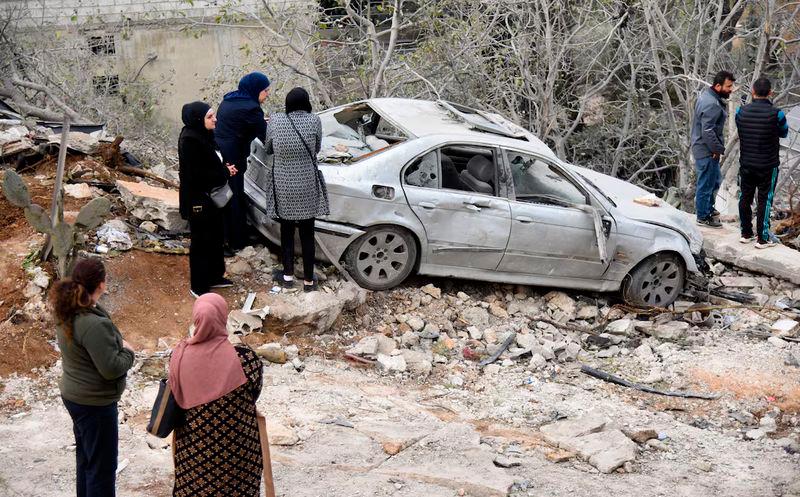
point(624, 193)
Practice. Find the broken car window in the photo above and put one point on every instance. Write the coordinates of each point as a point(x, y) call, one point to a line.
point(537, 181)
point(424, 172)
point(468, 168)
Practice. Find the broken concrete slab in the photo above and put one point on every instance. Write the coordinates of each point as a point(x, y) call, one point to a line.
point(151, 203)
point(785, 326)
point(79, 190)
point(309, 312)
point(605, 450)
point(242, 322)
point(562, 431)
point(723, 245)
point(453, 457)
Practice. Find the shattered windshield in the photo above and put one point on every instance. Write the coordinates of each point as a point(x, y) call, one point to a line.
point(355, 132)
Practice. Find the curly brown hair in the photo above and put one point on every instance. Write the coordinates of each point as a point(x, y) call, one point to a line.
point(72, 295)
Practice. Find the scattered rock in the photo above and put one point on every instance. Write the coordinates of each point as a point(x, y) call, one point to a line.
point(239, 267)
point(703, 466)
point(561, 301)
point(313, 312)
point(778, 342)
point(280, 434)
point(605, 450)
point(391, 364)
point(78, 190)
point(641, 436)
point(274, 354)
point(497, 311)
point(755, 434)
point(431, 290)
point(476, 316)
point(415, 323)
point(474, 333)
point(559, 455)
point(418, 362)
point(505, 462)
point(242, 322)
point(671, 330)
point(430, 332)
point(620, 327)
point(587, 312)
point(537, 362)
point(149, 226)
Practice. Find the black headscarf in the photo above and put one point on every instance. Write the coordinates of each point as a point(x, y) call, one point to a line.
point(297, 99)
point(194, 116)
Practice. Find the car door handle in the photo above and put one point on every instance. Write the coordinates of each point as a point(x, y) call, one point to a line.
point(480, 202)
point(471, 207)
point(427, 205)
point(524, 219)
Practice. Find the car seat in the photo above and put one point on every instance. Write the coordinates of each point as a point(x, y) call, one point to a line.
point(450, 177)
point(479, 174)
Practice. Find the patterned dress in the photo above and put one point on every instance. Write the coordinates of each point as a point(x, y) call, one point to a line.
point(297, 190)
point(217, 450)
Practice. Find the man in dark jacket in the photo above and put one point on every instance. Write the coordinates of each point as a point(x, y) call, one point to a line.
point(761, 125)
point(708, 145)
point(240, 120)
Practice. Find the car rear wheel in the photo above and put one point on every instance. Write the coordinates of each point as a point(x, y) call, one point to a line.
point(382, 257)
point(656, 281)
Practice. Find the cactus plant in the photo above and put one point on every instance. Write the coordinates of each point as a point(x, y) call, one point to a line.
point(15, 190)
point(65, 237)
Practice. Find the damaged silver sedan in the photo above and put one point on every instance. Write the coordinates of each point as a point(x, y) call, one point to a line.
point(445, 190)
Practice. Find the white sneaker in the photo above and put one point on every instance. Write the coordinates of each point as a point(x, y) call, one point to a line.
point(765, 245)
point(745, 239)
point(194, 294)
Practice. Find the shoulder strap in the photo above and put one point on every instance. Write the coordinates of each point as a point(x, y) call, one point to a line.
point(308, 149)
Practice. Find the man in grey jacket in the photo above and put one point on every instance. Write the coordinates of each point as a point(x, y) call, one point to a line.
point(708, 145)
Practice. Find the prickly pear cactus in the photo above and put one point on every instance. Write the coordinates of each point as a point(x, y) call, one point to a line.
point(38, 218)
point(15, 190)
point(92, 214)
point(63, 238)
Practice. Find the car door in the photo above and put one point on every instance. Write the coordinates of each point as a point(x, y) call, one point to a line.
point(464, 227)
point(553, 226)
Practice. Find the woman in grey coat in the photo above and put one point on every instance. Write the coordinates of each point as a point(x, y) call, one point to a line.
point(298, 192)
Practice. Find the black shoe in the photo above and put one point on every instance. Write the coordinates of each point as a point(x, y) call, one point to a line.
point(709, 222)
point(228, 253)
point(277, 277)
point(196, 293)
point(223, 283)
point(714, 213)
point(312, 287)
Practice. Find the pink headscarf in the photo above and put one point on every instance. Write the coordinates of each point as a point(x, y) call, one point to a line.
point(205, 367)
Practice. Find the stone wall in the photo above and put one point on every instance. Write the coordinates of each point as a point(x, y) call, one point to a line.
point(61, 12)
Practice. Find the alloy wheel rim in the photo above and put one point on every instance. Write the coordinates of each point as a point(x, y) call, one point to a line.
point(382, 256)
point(661, 284)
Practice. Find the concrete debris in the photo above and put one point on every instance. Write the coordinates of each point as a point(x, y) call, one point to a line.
point(273, 353)
point(243, 323)
point(392, 364)
point(670, 331)
point(605, 450)
point(562, 431)
point(310, 312)
point(560, 301)
point(431, 290)
point(475, 316)
point(620, 327)
point(151, 203)
point(418, 362)
point(785, 327)
point(77, 141)
point(778, 342)
point(239, 267)
point(114, 234)
point(149, 226)
point(79, 190)
point(415, 323)
point(281, 434)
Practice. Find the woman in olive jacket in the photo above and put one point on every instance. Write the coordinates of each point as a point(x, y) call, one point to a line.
point(95, 360)
point(201, 171)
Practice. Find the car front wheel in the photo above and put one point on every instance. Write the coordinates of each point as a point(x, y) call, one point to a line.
point(656, 281)
point(382, 257)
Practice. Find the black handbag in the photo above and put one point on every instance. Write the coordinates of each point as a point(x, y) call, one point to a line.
point(166, 414)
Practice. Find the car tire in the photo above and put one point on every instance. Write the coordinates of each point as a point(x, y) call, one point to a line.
point(381, 258)
point(656, 281)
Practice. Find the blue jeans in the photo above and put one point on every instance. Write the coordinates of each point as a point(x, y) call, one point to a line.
point(96, 440)
point(709, 179)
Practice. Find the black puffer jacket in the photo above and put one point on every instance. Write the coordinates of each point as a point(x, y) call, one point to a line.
point(761, 125)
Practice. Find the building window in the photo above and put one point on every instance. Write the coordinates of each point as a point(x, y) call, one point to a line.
point(102, 45)
point(106, 85)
